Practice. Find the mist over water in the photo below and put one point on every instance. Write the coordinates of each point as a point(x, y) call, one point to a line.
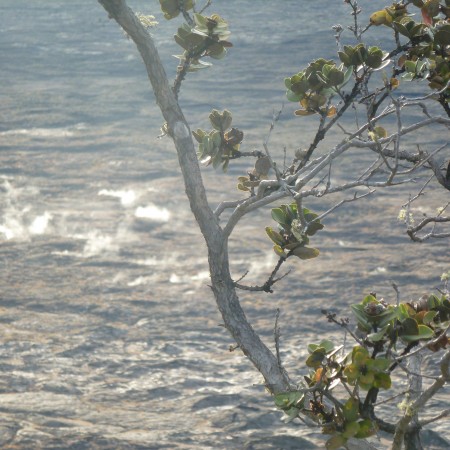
point(109, 334)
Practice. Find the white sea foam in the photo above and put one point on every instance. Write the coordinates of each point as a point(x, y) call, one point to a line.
point(153, 212)
point(98, 243)
point(18, 220)
point(12, 228)
point(140, 281)
point(188, 279)
point(57, 132)
point(149, 261)
point(40, 223)
point(127, 197)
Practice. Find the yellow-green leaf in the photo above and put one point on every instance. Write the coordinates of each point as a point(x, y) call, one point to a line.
point(305, 252)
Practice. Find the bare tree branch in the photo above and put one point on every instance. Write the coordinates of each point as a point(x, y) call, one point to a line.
point(421, 401)
point(222, 284)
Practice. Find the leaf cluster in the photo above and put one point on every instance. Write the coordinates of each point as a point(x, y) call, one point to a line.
point(361, 55)
point(408, 322)
point(254, 177)
point(427, 54)
point(367, 367)
point(206, 38)
point(294, 230)
point(217, 146)
point(314, 87)
point(171, 8)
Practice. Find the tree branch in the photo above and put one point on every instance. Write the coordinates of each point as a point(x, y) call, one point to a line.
point(419, 403)
point(222, 284)
point(267, 286)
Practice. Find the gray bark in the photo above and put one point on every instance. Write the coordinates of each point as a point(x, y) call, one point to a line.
point(222, 284)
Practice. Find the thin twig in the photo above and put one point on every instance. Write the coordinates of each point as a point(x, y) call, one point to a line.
point(276, 334)
point(267, 286)
point(440, 416)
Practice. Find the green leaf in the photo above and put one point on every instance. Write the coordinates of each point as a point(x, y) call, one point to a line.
point(312, 347)
point(225, 165)
point(350, 429)
point(425, 332)
point(411, 332)
point(351, 409)
point(378, 364)
point(369, 299)
point(361, 316)
point(335, 442)
point(215, 119)
point(200, 21)
point(387, 316)
point(313, 228)
point(442, 36)
point(345, 59)
point(216, 138)
point(336, 77)
point(305, 252)
point(327, 345)
point(216, 51)
point(181, 42)
point(404, 311)
point(293, 97)
point(279, 251)
point(382, 381)
point(429, 316)
point(169, 8)
point(378, 336)
point(421, 65)
point(410, 66)
point(286, 400)
point(316, 358)
point(227, 119)
point(217, 160)
point(366, 429)
point(409, 327)
point(347, 76)
point(207, 145)
point(352, 373)
point(275, 236)
point(292, 413)
point(198, 135)
point(291, 210)
point(377, 133)
point(291, 246)
point(279, 216)
point(401, 29)
point(433, 301)
point(359, 355)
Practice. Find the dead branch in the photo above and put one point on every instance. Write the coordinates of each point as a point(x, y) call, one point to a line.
point(420, 402)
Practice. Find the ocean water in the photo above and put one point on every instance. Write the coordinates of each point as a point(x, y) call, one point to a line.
point(109, 335)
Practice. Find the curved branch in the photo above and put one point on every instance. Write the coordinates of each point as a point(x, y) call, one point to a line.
point(267, 286)
point(222, 284)
point(177, 124)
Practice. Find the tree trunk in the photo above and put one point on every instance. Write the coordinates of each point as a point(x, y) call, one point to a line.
point(222, 285)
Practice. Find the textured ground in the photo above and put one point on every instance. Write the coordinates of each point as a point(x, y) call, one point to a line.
point(109, 336)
